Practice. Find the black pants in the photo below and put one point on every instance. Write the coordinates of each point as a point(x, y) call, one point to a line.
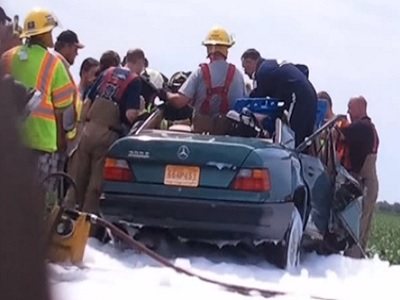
point(302, 119)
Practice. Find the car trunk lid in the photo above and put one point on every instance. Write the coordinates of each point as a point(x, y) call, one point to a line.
point(184, 160)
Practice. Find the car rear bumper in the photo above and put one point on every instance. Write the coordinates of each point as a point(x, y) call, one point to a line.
point(201, 218)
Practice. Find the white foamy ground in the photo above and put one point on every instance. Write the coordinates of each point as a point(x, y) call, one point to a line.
point(110, 274)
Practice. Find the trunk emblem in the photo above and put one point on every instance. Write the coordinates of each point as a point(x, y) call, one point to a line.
point(183, 152)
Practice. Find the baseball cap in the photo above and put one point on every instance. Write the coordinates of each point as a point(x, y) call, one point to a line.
point(69, 37)
point(3, 16)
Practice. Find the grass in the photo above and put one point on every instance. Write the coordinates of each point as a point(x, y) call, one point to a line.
point(385, 237)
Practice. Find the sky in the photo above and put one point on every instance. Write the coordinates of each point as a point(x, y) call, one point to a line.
point(352, 47)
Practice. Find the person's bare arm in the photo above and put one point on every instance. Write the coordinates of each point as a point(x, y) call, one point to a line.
point(187, 91)
point(131, 115)
point(177, 100)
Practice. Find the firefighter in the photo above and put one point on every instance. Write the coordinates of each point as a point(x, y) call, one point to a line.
point(35, 67)
point(213, 88)
point(112, 105)
point(154, 76)
point(182, 115)
point(288, 82)
point(155, 81)
point(362, 142)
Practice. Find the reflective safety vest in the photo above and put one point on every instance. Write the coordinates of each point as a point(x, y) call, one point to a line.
point(341, 148)
point(78, 104)
point(222, 91)
point(37, 68)
point(71, 134)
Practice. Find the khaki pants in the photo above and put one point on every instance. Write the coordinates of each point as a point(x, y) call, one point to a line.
point(86, 166)
point(368, 177)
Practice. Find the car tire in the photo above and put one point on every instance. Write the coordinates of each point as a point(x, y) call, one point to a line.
point(288, 250)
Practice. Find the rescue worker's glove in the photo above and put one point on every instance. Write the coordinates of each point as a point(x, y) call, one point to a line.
point(162, 94)
point(176, 114)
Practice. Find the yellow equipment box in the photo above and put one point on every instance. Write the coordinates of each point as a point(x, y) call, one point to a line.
point(69, 234)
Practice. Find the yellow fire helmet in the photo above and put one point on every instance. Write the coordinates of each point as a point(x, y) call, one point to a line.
point(39, 21)
point(218, 36)
point(218, 40)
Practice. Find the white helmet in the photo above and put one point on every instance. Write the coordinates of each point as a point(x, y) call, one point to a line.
point(154, 77)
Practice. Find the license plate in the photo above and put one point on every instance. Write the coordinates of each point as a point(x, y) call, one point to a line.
point(182, 175)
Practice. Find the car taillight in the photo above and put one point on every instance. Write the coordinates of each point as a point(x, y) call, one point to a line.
point(252, 180)
point(117, 170)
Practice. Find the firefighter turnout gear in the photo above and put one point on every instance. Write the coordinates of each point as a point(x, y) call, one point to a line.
point(213, 89)
point(221, 91)
point(103, 126)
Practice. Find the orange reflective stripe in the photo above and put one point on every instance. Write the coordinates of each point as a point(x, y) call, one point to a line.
point(44, 113)
point(43, 81)
point(76, 90)
point(78, 104)
point(44, 75)
point(62, 95)
point(7, 59)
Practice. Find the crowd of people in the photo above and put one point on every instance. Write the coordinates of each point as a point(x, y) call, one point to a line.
point(71, 125)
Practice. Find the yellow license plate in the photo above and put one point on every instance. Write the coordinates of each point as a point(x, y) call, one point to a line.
point(182, 175)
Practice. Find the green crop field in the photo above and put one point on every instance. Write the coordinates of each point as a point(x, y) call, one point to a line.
point(385, 238)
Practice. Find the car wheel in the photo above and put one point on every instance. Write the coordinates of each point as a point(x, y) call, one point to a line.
point(288, 252)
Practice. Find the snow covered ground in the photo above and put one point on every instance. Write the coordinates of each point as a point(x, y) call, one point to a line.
point(112, 274)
